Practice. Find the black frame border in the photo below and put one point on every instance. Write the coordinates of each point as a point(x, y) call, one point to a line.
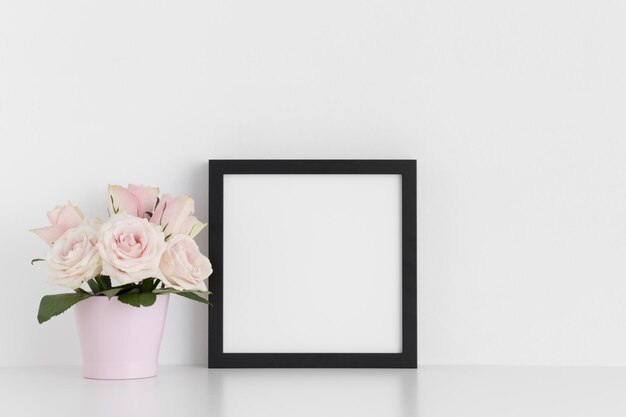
point(405, 359)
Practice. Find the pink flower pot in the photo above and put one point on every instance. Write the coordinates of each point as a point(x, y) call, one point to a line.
point(120, 341)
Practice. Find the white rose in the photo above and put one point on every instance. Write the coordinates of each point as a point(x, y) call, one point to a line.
point(183, 266)
point(74, 258)
point(130, 248)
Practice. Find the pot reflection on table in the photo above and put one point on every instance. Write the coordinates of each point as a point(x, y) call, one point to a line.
point(194, 391)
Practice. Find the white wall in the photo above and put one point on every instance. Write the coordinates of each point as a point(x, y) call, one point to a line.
point(514, 110)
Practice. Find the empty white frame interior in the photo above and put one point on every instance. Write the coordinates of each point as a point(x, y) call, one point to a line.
point(312, 264)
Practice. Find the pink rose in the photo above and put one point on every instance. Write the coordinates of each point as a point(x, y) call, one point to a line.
point(74, 257)
point(183, 266)
point(62, 218)
point(136, 200)
point(175, 215)
point(130, 248)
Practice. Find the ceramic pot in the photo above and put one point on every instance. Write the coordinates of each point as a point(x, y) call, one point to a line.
point(119, 341)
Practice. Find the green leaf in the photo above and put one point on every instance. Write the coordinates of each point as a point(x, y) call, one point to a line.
point(147, 285)
point(162, 213)
point(93, 284)
point(113, 206)
point(164, 290)
point(99, 283)
point(32, 261)
point(104, 281)
point(191, 230)
point(133, 289)
point(192, 296)
point(111, 292)
point(53, 305)
point(145, 299)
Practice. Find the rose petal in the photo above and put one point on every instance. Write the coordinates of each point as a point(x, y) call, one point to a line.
point(158, 211)
point(69, 217)
point(50, 233)
point(174, 213)
point(74, 257)
point(122, 200)
point(183, 266)
point(53, 214)
point(130, 248)
point(147, 197)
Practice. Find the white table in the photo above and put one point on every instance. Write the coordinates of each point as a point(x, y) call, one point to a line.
point(430, 391)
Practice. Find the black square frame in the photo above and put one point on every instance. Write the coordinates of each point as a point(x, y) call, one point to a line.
point(406, 168)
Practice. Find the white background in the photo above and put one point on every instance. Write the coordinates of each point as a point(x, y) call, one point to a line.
point(514, 111)
point(312, 263)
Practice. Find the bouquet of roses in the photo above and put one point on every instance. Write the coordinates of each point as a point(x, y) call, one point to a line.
point(145, 248)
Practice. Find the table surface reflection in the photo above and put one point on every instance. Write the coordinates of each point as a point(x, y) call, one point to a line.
point(428, 391)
